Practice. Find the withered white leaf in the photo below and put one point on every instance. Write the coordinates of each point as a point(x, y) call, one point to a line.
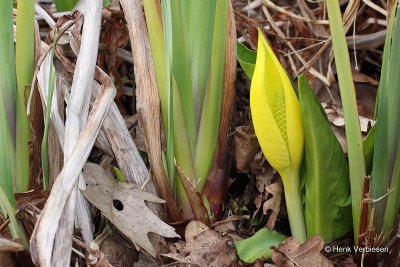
point(123, 204)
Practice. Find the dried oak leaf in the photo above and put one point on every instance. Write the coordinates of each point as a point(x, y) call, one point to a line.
point(123, 204)
point(273, 203)
point(291, 254)
point(204, 247)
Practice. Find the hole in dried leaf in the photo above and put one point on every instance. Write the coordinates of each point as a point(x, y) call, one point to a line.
point(118, 204)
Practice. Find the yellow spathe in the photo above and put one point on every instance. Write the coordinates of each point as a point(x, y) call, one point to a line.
point(276, 111)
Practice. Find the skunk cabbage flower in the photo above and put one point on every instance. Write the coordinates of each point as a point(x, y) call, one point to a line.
point(278, 125)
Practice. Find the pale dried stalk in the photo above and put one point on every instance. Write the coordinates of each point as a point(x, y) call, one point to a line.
point(77, 208)
point(42, 240)
point(77, 110)
point(148, 106)
point(116, 140)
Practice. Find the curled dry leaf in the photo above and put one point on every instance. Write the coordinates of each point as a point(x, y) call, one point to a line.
point(270, 195)
point(290, 253)
point(264, 179)
point(246, 147)
point(273, 204)
point(204, 247)
point(124, 205)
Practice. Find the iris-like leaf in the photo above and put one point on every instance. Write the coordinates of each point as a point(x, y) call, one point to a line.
point(188, 42)
point(327, 187)
point(278, 125)
point(8, 90)
point(386, 158)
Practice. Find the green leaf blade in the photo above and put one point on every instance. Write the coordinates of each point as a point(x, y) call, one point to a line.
point(259, 245)
point(327, 188)
point(247, 59)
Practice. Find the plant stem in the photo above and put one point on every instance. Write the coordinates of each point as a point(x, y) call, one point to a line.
point(349, 102)
point(291, 184)
point(25, 54)
point(44, 148)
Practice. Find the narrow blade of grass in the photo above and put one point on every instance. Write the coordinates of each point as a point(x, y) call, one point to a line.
point(347, 92)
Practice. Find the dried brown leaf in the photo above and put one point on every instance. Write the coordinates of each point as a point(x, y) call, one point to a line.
point(124, 205)
point(207, 248)
point(273, 204)
point(264, 179)
point(246, 147)
point(290, 253)
point(193, 229)
point(258, 164)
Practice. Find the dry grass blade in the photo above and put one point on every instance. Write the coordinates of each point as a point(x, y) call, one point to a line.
point(302, 60)
point(116, 139)
point(148, 105)
point(76, 115)
point(42, 240)
point(270, 4)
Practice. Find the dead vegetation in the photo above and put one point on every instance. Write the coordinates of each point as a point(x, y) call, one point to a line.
point(91, 121)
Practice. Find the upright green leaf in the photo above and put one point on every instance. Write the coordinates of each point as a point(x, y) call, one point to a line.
point(188, 47)
point(200, 36)
point(7, 118)
point(25, 56)
point(181, 67)
point(211, 108)
point(8, 82)
point(327, 205)
point(348, 95)
point(385, 169)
